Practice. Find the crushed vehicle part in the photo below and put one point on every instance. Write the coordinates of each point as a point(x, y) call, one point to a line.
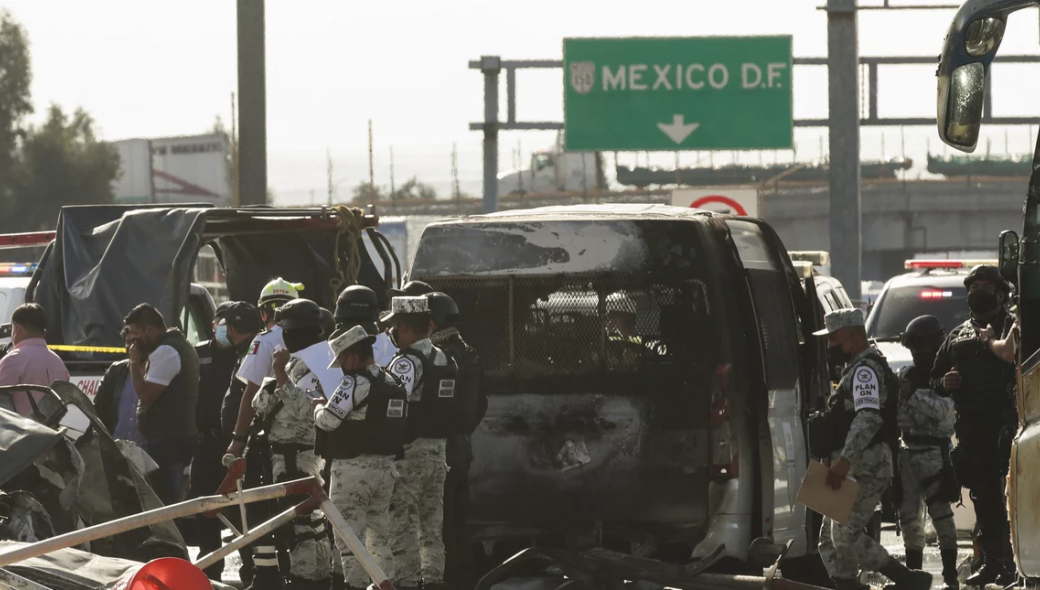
point(22, 441)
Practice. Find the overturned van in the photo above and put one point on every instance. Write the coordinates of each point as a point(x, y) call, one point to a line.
point(649, 373)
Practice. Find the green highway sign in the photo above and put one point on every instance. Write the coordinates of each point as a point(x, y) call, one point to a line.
point(689, 93)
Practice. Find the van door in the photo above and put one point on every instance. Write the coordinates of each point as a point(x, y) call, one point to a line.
point(783, 518)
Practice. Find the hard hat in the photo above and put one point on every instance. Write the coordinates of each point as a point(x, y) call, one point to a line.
point(443, 309)
point(923, 332)
point(986, 272)
point(298, 313)
point(279, 290)
point(357, 303)
point(621, 303)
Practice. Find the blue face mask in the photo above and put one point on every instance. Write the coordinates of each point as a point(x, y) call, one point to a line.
point(222, 336)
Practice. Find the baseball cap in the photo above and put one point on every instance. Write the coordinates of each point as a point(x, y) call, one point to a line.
point(240, 315)
point(840, 318)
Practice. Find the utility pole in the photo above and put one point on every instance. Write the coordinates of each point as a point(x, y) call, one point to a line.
point(235, 202)
point(328, 173)
point(843, 101)
point(455, 192)
point(392, 188)
point(371, 168)
point(252, 103)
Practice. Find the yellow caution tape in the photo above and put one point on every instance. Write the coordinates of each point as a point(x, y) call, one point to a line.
point(72, 348)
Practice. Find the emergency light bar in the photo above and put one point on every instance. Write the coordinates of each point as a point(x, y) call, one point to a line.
point(816, 257)
point(944, 264)
point(17, 270)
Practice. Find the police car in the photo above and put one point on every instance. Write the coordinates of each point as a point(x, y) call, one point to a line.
point(934, 287)
point(14, 278)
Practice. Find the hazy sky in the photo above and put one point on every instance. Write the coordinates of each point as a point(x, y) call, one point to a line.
point(145, 68)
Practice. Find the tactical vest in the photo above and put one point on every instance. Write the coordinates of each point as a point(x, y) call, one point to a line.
point(376, 426)
point(829, 431)
point(172, 414)
point(436, 414)
point(468, 388)
point(983, 395)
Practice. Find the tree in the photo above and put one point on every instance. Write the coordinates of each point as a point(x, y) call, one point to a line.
point(60, 163)
point(15, 97)
point(366, 194)
point(414, 190)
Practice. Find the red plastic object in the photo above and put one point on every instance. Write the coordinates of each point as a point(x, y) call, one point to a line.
point(167, 573)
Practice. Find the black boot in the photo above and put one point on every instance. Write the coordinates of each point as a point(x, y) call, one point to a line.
point(914, 559)
point(987, 574)
point(949, 572)
point(905, 578)
point(266, 578)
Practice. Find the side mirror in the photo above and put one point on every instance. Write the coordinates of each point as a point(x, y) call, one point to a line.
point(1008, 262)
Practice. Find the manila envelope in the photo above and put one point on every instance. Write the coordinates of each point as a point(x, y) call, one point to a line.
point(816, 495)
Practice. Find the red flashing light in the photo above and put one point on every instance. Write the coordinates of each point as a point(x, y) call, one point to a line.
point(936, 294)
point(933, 264)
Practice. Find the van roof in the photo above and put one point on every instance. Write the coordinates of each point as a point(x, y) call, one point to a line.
point(624, 210)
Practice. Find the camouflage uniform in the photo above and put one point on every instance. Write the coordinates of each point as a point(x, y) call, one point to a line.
point(925, 414)
point(846, 548)
point(417, 506)
point(311, 555)
point(361, 487)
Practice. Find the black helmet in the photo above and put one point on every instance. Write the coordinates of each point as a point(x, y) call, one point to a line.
point(443, 309)
point(412, 289)
point(328, 323)
point(357, 303)
point(923, 332)
point(986, 272)
point(298, 313)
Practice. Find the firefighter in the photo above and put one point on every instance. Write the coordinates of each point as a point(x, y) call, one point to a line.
point(283, 403)
point(365, 427)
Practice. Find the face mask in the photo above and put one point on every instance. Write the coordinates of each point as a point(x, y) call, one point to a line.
point(982, 302)
point(837, 357)
point(222, 335)
point(924, 360)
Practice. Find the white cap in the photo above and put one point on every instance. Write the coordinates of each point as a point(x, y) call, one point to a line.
point(341, 342)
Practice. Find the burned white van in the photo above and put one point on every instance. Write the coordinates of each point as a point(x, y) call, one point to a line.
point(648, 372)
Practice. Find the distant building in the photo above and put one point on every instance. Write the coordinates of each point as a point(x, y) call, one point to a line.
point(186, 169)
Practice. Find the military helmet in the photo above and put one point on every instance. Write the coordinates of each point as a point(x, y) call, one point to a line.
point(923, 332)
point(279, 290)
point(443, 309)
point(987, 272)
point(299, 313)
point(357, 303)
point(328, 322)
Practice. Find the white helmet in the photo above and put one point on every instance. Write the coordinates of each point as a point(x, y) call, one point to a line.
point(279, 290)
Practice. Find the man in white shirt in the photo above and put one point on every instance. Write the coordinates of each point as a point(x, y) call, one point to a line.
point(164, 369)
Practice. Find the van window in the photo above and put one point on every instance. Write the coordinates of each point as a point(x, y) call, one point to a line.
point(5, 316)
point(194, 330)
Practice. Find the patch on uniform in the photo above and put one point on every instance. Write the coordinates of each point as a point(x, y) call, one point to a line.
point(404, 369)
point(395, 409)
point(447, 388)
point(255, 348)
point(865, 391)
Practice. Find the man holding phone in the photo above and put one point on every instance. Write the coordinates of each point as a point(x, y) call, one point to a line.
point(973, 367)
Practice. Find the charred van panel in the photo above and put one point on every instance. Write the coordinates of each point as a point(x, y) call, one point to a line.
point(553, 461)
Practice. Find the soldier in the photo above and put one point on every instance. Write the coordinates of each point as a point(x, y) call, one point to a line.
point(417, 508)
point(981, 382)
point(284, 403)
point(926, 421)
point(472, 404)
point(366, 427)
point(857, 412)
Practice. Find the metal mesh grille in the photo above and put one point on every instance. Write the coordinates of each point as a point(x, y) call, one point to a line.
point(602, 334)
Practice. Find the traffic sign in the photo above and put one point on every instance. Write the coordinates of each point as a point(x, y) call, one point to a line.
point(689, 93)
point(730, 200)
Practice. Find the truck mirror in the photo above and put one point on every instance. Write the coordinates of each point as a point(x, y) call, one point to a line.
point(1008, 263)
point(961, 98)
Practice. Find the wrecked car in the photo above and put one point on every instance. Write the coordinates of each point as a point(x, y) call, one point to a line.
point(649, 371)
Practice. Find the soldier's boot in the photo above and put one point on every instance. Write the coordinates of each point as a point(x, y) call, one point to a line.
point(992, 570)
point(266, 578)
point(905, 578)
point(949, 571)
point(914, 559)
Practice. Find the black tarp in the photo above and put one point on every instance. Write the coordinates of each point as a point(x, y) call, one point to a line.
point(107, 259)
point(250, 261)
